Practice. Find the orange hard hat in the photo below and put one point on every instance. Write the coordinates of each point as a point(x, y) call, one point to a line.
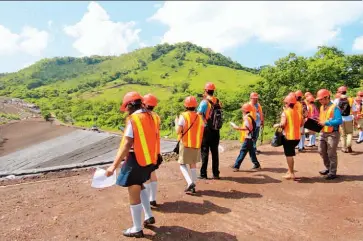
point(310, 98)
point(292, 94)
point(190, 102)
point(322, 94)
point(342, 89)
point(337, 95)
point(128, 98)
point(299, 93)
point(290, 99)
point(253, 95)
point(247, 108)
point(209, 86)
point(150, 100)
point(360, 93)
point(307, 94)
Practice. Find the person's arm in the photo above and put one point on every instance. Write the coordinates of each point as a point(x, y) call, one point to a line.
point(240, 128)
point(262, 116)
point(179, 125)
point(336, 120)
point(282, 121)
point(202, 109)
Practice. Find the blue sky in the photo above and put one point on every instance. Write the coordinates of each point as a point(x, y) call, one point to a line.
point(254, 34)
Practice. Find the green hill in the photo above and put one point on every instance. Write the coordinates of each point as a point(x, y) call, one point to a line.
point(79, 89)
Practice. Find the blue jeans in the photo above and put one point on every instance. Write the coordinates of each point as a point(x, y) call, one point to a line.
point(302, 139)
point(247, 147)
point(256, 134)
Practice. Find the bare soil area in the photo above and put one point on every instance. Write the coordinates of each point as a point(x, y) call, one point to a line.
point(241, 206)
point(20, 134)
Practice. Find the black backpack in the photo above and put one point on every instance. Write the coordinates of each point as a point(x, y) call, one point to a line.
point(344, 107)
point(215, 120)
point(254, 137)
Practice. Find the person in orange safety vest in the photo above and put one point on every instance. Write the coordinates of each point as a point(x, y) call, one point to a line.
point(258, 116)
point(150, 102)
point(291, 123)
point(139, 149)
point(313, 113)
point(358, 115)
point(302, 108)
point(189, 127)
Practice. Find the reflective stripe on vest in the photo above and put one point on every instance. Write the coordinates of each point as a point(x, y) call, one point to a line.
point(245, 133)
point(193, 138)
point(292, 126)
point(145, 138)
point(298, 107)
point(157, 124)
point(350, 101)
point(325, 115)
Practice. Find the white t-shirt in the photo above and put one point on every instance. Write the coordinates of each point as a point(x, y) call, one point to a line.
point(129, 132)
point(247, 125)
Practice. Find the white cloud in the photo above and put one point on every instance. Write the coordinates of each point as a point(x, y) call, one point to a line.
point(30, 41)
point(224, 25)
point(96, 34)
point(358, 44)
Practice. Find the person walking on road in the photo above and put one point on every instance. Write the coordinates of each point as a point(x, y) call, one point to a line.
point(138, 146)
point(257, 115)
point(247, 138)
point(211, 110)
point(291, 123)
point(358, 102)
point(346, 129)
point(313, 113)
point(190, 128)
point(302, 108)
point(330, 119)
point(150, 102)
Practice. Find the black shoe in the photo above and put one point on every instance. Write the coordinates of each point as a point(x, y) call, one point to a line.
point(301, 150)
point(349, 150)
point(149, 221)
point(153, 203)
point(190, 187)
point(330, 177)
point(216, 178)
point(258, 152)
point(202, 177)
point(193, 191)
point(325, 172)
point(139, 234)
point(358, 142)
point(256, 168)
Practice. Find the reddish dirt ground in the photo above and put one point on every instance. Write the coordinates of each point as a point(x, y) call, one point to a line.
point(21, 134)
point(241, 206)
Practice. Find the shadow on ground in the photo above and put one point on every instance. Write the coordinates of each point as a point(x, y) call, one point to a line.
point(192, 207)
point(233, 194)
point(173, 233)
point(339, 179)
point(266, 179)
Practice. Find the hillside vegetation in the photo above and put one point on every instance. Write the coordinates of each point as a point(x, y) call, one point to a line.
point(87, 91)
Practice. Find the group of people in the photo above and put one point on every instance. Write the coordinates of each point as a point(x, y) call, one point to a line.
point(198, 128)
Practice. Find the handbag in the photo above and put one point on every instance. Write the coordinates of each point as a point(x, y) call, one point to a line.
point(277, 138)
point(176, 149)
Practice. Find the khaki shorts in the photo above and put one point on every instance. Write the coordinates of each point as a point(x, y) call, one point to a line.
point(188, 155)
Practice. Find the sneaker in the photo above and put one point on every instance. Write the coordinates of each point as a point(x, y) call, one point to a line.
point(190, 187)
point(256, 168)
point(324, 172)
point(202, 177)
point(216, 178)
point(330, 177)
point(233, 168)
point(153, 203)
point(193, 191)
point(350, 150)
point(358, 142)
point(149, 221)
point(128, 233)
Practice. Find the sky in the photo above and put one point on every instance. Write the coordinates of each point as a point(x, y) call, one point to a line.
point(252, 33)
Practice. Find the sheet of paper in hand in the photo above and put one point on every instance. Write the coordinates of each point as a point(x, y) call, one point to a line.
point(233, 125)
point(101, 181)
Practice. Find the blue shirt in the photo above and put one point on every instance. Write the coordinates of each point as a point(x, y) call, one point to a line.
point(336, 120)
point(202, 109)
point(258, 116)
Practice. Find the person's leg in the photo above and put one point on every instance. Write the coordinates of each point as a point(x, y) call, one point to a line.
point(313, 139)
point(360, 131)
point(333, 140)
point(256, 134)
point(290, 164)
point(214, 143)
point(241, 156)
point(193, 172)
point(153, 187)
point(136, 212)
point(323, 151)
point(252, 152)
point(349, 133)
point(302, 140)
point(343, 137)
point(204, 154)
point(144, 196)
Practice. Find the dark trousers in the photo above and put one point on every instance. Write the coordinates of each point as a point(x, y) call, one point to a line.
point(247, 147)
point(210, 142)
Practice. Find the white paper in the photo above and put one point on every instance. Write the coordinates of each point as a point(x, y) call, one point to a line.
point(101, 181)
point(220, 148)
point(233, 125)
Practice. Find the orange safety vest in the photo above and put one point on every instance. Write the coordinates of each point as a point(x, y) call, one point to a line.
point(350, 101)
point(325, 115)
point(298, 107)
point(156, 118)
point(254, 113)
point(245, 133)
point(193, 137)
point(293, 122)
point(310, 110)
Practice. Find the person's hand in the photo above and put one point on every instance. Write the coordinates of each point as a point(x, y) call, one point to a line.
point(110, 171)
point(321, 123)
point(262, 123)
point(276, 125)
point(237, 128)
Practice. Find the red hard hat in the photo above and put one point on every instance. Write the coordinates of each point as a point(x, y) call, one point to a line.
point(310, 98)
point(290, 99)
point(128, 98)
point(307, 94)
point(209, 86)
point(299, 93)
point(253, 95)
point(342, 89)
point(360, 93)
point(322, 94)
point(150, 100)
point(247, 108)
point(190, 102)
point(292, 94)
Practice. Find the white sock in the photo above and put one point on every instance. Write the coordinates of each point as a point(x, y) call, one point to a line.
point(147, 187)
point(136, 211)
point(360, 136)
point(193, 172)
point(184, 170)
point(153, 190)
point(144, 196)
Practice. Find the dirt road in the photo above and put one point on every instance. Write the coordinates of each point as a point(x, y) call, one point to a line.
point(241, 206)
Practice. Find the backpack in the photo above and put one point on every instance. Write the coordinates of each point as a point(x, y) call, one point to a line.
point(344, 107)
point(215, 120)
point(253, 132)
